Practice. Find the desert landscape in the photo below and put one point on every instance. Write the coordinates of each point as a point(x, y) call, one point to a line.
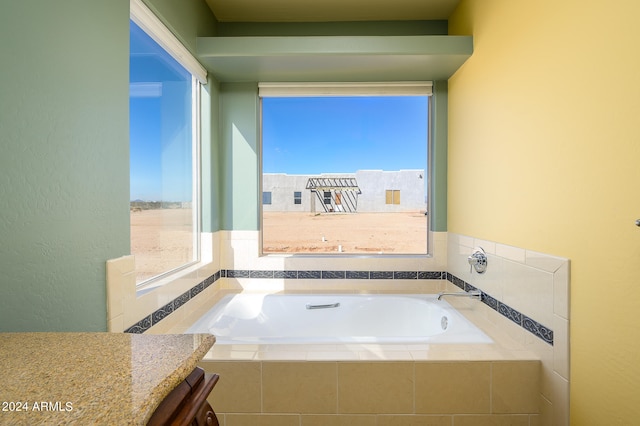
point(161, 238)
point(296, 232)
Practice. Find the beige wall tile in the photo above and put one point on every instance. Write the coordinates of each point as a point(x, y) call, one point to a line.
point(535, 420)
point(240, 250)
point(414, 420)
point(116, 325)
point(299, 387)
point(544, 261)
point(262, 420)
point(339, 420)
point(239, 387)
point(560, 400)
point(561, 359)
point(515, 254)
point(561, 291)
point(375, 387)
point(529, 290)
point(515, 387)
point(115, 286)
point(546, 414)
point(546, 354)
point(221, 418)
point(121, 265)
point(453, 387)
point(491, 420)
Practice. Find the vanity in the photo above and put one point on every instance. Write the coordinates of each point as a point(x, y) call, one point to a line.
point(105, 378)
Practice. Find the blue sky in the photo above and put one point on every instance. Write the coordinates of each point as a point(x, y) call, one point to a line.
point(160, 123)
point(344, 134)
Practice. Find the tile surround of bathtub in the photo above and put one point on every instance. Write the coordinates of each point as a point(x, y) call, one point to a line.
point(390, 392)
point(528, 291)
point(128, 305)
point(529, 324)
point(545, 278)
point(148, 321)
point(163, 312)
point(539, 282)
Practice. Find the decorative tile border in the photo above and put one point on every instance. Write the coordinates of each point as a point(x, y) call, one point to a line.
point(285, 274)
point(158, 315)
point(522, 320)
point(334, 275)
point(316, 275)
point(431, 275)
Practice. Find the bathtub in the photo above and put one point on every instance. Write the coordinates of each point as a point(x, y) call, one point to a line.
point(336, 318)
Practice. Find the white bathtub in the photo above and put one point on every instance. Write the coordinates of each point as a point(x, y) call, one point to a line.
point(339, 318)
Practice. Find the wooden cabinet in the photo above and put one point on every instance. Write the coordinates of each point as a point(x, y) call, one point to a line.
point(187, 403)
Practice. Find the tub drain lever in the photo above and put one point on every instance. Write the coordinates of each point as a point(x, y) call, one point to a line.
point(327, 306)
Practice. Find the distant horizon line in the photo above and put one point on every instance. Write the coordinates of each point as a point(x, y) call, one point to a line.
point(138, 200)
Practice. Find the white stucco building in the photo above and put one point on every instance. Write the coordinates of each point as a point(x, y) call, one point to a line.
point(362, 191)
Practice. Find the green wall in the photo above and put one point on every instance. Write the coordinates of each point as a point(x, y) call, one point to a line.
point(64, 134)
point(64, 185)
point(210, 154)
point(187, 19)
point(239, 158)
point(438, 156)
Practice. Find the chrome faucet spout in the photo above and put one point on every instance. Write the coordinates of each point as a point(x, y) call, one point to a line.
point(473, 294)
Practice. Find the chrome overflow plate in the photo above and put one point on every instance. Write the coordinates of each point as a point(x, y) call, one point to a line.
point(478, 260)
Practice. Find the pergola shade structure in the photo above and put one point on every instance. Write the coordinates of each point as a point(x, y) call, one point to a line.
point(335, 194)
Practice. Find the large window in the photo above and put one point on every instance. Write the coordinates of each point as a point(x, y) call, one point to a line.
point(164, 150)
point(345, 146)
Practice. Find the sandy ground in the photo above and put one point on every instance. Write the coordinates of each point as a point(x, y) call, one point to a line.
point(161, 238)
point(356, 232)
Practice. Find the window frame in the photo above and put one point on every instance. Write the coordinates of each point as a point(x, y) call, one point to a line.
point(345, 89)
point(391, 196)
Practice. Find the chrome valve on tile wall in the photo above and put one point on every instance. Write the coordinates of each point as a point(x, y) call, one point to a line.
point(478, 260)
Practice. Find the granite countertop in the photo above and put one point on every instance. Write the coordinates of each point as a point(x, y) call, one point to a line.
point(92, 378)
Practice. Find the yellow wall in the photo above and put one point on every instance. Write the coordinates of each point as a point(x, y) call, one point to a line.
point(544, 153)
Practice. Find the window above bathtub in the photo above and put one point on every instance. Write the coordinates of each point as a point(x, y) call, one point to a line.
point(164, 82)
point(344, 147)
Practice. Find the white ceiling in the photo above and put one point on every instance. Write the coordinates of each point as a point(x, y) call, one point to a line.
point(330, 10)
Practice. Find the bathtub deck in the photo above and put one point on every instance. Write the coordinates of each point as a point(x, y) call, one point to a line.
point(368, 352)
